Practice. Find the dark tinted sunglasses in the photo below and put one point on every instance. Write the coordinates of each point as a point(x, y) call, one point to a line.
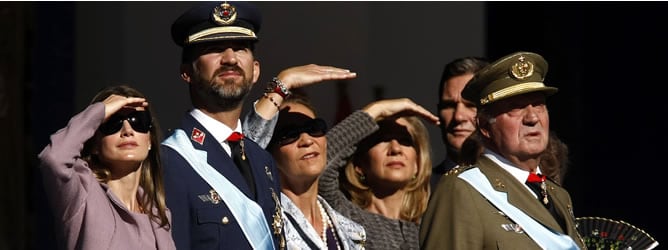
point(140, 121)
point(315, 127)
point(387, 132)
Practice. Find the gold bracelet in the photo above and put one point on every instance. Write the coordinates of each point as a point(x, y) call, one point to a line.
point(272, 101)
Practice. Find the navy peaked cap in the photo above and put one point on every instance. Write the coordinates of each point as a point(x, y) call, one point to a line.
point(217, 21)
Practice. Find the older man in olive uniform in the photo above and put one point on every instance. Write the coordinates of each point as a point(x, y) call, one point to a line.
point(502, 201)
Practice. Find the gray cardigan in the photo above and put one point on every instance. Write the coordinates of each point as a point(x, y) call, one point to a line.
point(382, 232)
point(89, 215)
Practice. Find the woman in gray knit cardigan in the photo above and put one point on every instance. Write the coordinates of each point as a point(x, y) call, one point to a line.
point(381, 156)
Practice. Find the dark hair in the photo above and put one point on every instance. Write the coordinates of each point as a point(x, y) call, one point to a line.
point(151, 173)
point(297, 96)
point(459, 67)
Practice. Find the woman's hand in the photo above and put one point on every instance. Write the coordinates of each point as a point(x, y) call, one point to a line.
point(114, 103)
point(383, 109)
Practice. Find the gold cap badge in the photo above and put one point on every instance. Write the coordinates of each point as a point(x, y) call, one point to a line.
point(225, 14)
point(522, 68)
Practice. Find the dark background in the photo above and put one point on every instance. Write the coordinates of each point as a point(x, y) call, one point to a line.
point(607, 59)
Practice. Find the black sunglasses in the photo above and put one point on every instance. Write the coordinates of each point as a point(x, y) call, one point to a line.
point(140, 121)
point(314, 127)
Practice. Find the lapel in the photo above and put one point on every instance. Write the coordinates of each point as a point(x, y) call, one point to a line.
point(518, 195)
point(202, 140)
point(562, 203)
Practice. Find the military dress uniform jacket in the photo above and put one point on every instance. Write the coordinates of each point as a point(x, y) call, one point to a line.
point(440, 170)
point(459, 217)
point(201, 220)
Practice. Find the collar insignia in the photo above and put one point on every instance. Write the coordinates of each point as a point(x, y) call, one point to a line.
point(197, 136)
point(499, 184)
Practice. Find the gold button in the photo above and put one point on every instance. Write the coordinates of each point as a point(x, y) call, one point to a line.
point(225, 220)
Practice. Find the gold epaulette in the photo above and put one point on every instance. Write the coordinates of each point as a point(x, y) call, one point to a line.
point(458, 169)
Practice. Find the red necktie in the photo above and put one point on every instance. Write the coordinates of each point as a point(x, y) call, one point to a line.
point(535, 178)
point(234, 139)
point(239, 157)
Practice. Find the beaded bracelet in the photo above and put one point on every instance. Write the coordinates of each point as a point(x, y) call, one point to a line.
point(272, 101)
point(277, 87)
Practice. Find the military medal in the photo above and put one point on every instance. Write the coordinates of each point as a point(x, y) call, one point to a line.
point(537, 178)
point(277, 224)
point(268, 172)
point(543, 190)
point(243, 152)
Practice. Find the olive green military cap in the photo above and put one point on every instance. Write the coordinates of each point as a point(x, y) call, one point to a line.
point(514, 74)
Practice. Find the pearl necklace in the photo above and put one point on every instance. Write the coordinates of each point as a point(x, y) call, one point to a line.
point(327, 223)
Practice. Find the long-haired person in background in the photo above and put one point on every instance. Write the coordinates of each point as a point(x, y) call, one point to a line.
point(554, 162)
point(379, 169)
point(299, 147)
point(103, 176)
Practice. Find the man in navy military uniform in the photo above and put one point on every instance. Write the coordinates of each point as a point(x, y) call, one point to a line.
point(217, 200)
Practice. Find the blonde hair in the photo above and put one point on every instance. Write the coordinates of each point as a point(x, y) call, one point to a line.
point(417, 190)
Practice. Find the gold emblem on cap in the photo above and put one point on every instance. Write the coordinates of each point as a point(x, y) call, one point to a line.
point(225, 14)
point(521, 69)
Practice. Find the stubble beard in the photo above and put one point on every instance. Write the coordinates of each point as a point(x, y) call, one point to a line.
point(224, 95)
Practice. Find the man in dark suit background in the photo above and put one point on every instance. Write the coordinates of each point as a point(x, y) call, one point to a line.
point(457, 115)
point(217, 200)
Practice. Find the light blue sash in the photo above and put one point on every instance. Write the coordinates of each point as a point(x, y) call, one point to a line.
point(245, 210)
point(544, 237)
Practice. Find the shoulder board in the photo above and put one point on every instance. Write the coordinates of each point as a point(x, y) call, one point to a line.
point(553, 182)
point(458, 169)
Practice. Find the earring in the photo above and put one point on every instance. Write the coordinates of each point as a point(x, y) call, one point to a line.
point(362, 177)
point(413, 177)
